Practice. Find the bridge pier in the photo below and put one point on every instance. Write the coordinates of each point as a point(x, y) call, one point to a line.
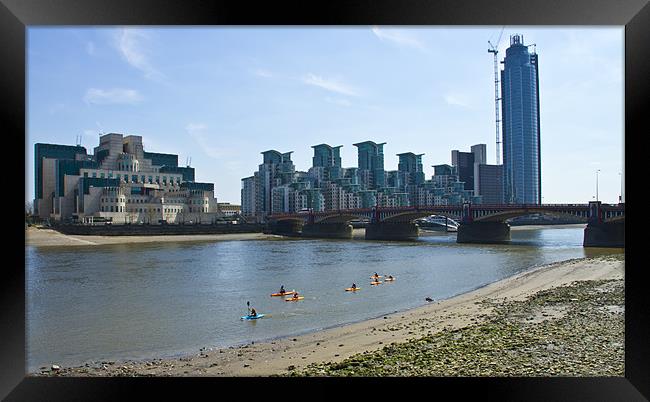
point(391, 231)
point(330, 230)
point(483, 232)
point(604, 234)
point(285, 228)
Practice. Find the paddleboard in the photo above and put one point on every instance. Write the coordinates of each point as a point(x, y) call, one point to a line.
point(249, 317)
point(287, 293)
point(351, 289)
point(294, 298)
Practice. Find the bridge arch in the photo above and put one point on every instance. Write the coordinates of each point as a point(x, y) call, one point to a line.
point(411, 216)
point(502, 216)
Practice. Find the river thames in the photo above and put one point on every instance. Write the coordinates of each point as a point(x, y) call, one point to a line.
point(144, 301)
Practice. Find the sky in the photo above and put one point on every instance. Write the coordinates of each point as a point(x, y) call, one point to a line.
point(219, 96)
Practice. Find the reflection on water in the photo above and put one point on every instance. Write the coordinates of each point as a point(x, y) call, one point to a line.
point(132, 301)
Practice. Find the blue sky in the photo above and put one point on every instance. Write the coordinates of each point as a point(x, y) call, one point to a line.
point(222, 95)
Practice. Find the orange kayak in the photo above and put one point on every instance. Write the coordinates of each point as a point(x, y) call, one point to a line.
point(375, 283)
point(376, 277)
point(294, 298)
point(287, 293)
point(351, 289)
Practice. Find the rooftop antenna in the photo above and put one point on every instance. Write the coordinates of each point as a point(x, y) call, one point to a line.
point(494, 50)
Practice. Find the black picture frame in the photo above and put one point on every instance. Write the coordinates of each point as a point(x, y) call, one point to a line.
point(17, 15)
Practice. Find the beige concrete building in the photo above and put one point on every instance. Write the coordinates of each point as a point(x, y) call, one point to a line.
point(119, 183)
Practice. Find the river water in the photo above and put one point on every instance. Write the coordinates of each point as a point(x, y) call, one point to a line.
point(140, 301)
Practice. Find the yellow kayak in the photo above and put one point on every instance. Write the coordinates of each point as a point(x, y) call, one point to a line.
point(287, 293)
point(376, 277)
point(294, 298)
point(351, 289)
point(375, 283)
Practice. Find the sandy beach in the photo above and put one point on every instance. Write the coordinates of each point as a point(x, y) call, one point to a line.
point(291, 354)
point(42, 237)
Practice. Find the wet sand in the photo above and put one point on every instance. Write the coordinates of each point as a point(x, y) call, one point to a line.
point(50, 238)
point(281, 356)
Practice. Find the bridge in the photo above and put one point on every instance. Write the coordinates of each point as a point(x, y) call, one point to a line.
point(479, 223)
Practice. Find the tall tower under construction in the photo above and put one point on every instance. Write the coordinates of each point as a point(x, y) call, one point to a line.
point(520, 124)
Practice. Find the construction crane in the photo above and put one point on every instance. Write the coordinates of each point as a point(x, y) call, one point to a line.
point(494, 49)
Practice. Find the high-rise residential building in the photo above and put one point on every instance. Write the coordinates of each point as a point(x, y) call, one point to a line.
point(119, 183)
point(371, 164)
point(329, 159)
point(489, 183)
point(464, 164)
point(277, 169)
point(521, 124)
point(411, 165)
point(249, 196)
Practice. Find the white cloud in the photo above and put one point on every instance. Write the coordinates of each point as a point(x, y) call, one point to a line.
point(112, 96)
point(198, 133)
point(456, 100)
point(263, 73)
point(329, 84)
point(398, 37)
point(340, 102)
point(129, 43)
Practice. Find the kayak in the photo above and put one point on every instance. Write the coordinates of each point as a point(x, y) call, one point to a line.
point(375, 283)
point(389, 279)
point(294, 298)
point(287, 293)
point(251, 317)
point(351, 289)
point(376, 277)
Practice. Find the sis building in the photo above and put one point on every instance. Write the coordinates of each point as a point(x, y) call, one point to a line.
point(120, 183)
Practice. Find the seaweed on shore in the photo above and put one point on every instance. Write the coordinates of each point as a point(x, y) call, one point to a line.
point(574, 330)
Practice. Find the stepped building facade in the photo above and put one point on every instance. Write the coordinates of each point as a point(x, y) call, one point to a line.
point(277, 187)
point(119, 183)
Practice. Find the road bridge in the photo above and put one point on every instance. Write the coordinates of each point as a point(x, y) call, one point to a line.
point(479, 223)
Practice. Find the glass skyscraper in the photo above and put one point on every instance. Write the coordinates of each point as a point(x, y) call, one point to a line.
point(520, 124)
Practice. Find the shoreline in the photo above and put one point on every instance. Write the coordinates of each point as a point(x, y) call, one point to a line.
point(283, 355)
point(44, 237)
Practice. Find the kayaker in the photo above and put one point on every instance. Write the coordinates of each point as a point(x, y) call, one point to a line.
point(376, 275)
point(282, 291)
point(390, 276)
point(295, 295)
point(354, 286)
point(253, 312)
